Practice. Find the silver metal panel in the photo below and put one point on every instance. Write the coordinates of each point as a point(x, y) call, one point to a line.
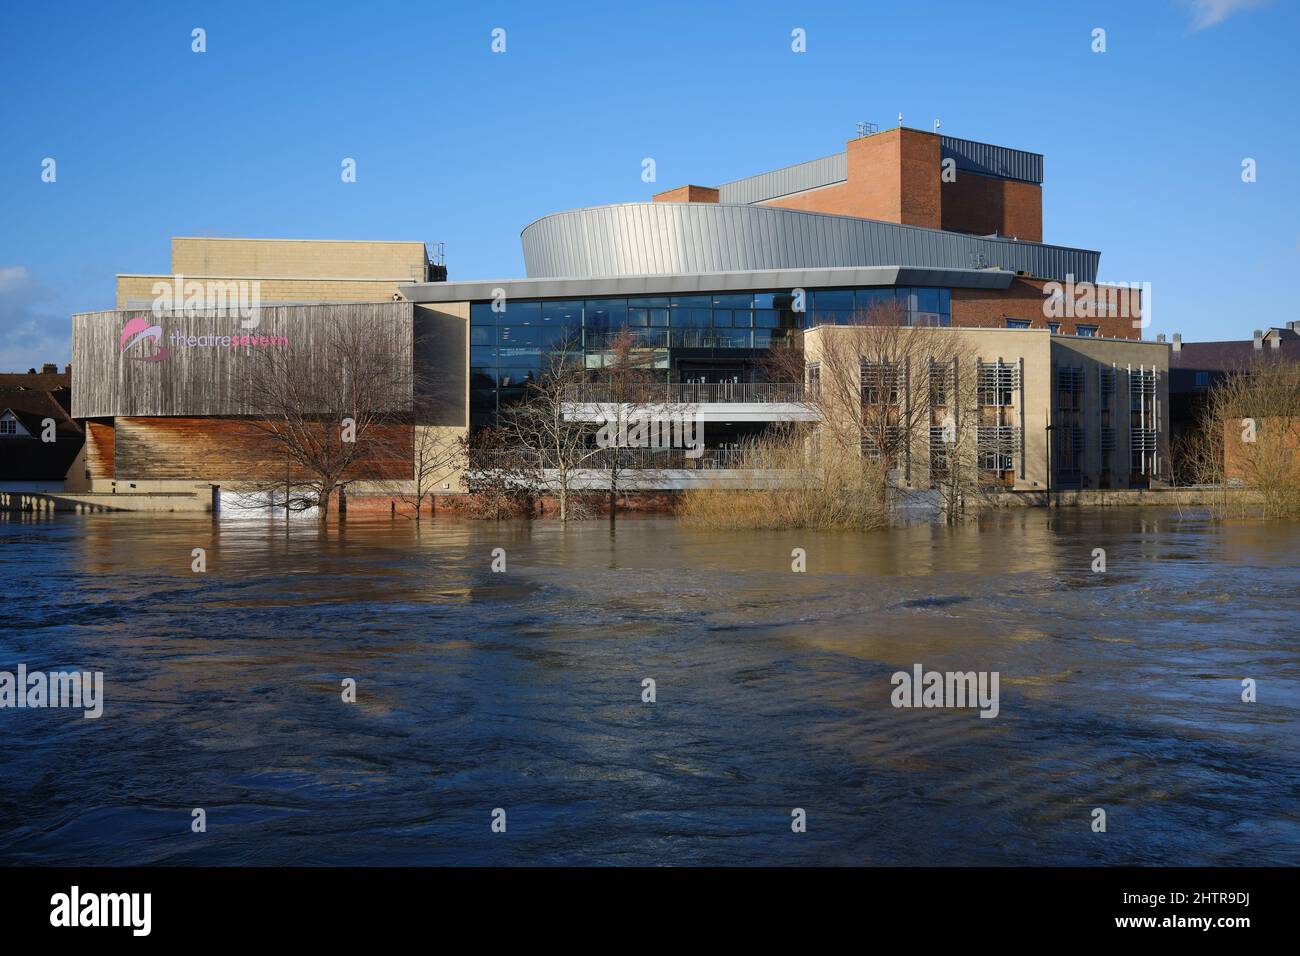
point(813, 174)
point(658, 238)
point(685, 283)
point(992, 160)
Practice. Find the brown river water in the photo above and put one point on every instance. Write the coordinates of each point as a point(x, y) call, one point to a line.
point(522, 690)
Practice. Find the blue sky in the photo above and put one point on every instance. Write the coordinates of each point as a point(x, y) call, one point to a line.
point(1143, 143)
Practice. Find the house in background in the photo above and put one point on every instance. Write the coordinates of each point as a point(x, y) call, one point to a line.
point(1196, 367)
point(28, 401)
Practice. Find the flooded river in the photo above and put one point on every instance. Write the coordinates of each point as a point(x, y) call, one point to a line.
point(522, 689)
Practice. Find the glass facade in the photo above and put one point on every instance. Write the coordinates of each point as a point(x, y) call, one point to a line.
point(509, 345)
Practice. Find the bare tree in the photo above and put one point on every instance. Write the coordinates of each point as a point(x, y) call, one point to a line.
point(502, 477)
point(956, 471)
point(336, 415)
point(633, 396)
point(1248, 437)
point(544, 428)
point(438, 454)
point(900, 398)
point(868, 382)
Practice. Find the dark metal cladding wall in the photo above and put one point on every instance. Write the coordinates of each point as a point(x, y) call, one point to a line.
point(205, 380)
point(992, 160)
point(675, 238)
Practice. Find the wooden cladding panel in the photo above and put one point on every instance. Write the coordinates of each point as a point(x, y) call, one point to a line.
point(208, 379)
point(217, 449)
point(99, 449)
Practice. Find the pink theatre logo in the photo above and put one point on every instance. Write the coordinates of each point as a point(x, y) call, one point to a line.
point(135, 332)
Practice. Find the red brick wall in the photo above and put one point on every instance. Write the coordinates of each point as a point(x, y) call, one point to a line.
point(919, 179)
point(687, 194)
point(985, 204)
point(892, 176)
point(1023, 299)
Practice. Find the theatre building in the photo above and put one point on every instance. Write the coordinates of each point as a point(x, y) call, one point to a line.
point(708, 280)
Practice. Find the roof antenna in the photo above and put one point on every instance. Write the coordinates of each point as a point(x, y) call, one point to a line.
point(936, 124)
point(900, 119)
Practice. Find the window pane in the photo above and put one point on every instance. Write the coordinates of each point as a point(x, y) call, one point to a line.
point(741, 301)
point(690, 318)
point(482, 335)
point(483, 355)
point(521, 313)
point(927, 300)
point(518, 375)
point(604, 314)
point(566, 313)
point(693, 301)
point(517, 335)
point(833, 299)
point(945, 301)
point(480, 313)
point(560, 335)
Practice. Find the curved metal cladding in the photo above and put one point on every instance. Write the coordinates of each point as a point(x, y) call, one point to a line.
point(662, 238)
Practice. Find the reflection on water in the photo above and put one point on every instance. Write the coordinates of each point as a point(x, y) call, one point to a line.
point(522, 690)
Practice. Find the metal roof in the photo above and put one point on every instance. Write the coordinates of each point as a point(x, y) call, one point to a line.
point(789, 179)
point(992, 160)
point(685, 284)
point(969, 155)
point(670, 238)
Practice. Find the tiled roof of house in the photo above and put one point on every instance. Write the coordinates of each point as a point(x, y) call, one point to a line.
point(27, 458)
point(1232, 355)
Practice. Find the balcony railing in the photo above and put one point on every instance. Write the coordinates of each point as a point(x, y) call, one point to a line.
point(694, 393)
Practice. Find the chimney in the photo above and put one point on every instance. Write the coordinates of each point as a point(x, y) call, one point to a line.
point(31, 371)
point(1177, 345)
point(67, 369)
point(1275, 342)
point(1160, 337)
point(49, 368)
point(1259, 339)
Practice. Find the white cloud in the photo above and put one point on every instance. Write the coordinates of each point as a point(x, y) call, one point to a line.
point(1206, 13)
point(32, 330)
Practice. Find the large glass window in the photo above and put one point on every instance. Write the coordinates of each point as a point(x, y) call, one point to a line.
point(835, 299)
point(882, 305)
point(925, 300)
point(555, 312)
point(606, 315)
point(520, 313)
